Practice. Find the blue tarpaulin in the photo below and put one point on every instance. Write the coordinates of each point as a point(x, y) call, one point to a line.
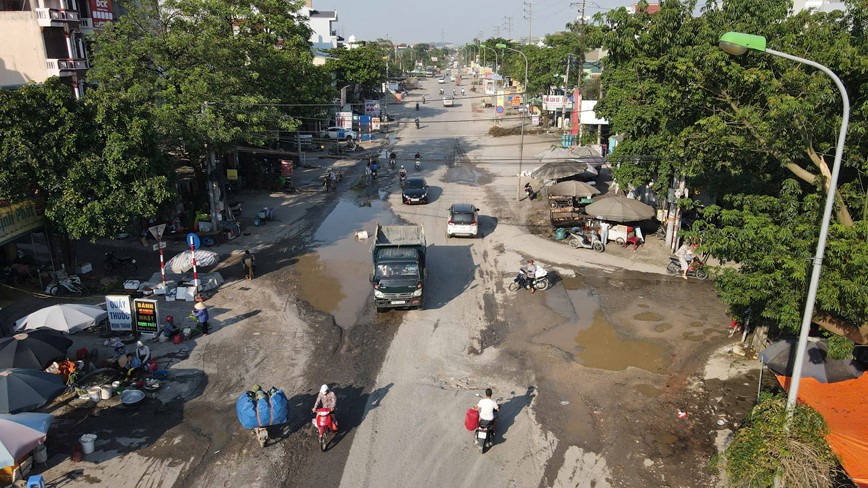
point(263, 412)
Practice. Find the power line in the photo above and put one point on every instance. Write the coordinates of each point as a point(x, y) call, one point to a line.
point(528, 14)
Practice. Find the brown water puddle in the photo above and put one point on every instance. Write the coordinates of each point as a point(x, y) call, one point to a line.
point(334, 278)
point(648, 317)
point(593, 340)
point(603, 348)
point(648, 390)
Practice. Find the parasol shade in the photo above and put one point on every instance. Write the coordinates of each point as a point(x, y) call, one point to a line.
point(620, 209)
point(22, 390)
point(33, 349)
point(66, 317)
point(20, 433)
point(183, 262)
point(572, 188)
point(780, 358)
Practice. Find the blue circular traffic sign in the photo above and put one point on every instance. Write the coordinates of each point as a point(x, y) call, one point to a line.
point(193, 240)
point(499, 109)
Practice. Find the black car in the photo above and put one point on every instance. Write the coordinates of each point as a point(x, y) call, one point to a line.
point(415, 191)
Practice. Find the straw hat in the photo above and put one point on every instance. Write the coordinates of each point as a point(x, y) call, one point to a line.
point(199, 306)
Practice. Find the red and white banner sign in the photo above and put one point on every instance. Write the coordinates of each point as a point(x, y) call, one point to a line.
point(100, 12)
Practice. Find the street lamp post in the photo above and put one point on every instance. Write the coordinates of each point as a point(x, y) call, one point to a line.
point(736, 43)
point(521, 142)
point(495, 56)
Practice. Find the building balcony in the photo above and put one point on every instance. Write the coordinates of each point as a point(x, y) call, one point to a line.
point(65, 67)
point(86, 25)
point(53, 17)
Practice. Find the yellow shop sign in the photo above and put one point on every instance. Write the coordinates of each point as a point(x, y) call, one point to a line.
point(17, 220)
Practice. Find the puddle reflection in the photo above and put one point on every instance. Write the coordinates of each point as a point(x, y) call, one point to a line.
point(334, 278)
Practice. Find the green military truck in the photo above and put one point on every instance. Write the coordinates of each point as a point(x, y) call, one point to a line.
point(399, 270)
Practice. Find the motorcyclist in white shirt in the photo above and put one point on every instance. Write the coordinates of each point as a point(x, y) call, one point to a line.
point(488, 409)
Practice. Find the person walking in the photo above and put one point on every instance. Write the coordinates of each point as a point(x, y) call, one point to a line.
point(200, 311)
point(368, 174)
point(249, 262)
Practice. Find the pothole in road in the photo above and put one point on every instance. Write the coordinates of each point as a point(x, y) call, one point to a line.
point(467, 175)
point(594, 342)
point(334, 277)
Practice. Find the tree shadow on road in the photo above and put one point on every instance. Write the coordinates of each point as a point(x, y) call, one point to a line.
point(509, 410)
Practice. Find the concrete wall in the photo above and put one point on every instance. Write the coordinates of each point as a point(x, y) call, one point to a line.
point(22, 50)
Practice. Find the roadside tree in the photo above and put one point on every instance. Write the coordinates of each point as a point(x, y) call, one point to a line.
point(363, 66)
point(755, 135)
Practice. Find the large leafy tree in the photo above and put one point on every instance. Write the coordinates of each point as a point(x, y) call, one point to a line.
point(364, 66)
point(757, 133)
point(209, 71)
point(95, 170)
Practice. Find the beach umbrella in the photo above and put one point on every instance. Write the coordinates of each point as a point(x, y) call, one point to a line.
point(66, 317)
point(22, 390)
point(572, 188)
point(183, 262)
point(20, 434)
point(32, 349)
point(620, 209)
point(780, 358)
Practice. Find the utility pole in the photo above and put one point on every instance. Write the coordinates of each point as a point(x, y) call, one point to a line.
point(528, 14)
point(578, 102)
point(497, 32)
point(508, 25)
point(564, 102)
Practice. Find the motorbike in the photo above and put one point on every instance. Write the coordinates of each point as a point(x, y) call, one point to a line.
point(112, 263)
point(473, 89)
point(695, 268)
point(423, 99)
point(586, 240)
point(418, 164)
point(373, 172)
point(441, 91)
point(392, 163)
point(540, 281)
point(401, 178)
point(66, 284)
point(462, 92)
point(324, 425)
point(528, 191)
point(417, 122)
point(484, 435)
point(417, 106)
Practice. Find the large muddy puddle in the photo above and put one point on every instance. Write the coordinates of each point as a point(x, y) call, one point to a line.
point(594, 342)
point(334, 277)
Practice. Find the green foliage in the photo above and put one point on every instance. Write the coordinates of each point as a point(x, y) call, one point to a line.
point(364, 65)
point(240, 57)
point(762, 448)
point(95, 170)
point(754, 134)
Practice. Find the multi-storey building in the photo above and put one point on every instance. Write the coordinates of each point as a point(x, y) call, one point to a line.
point(44, 38)
point(323, 35)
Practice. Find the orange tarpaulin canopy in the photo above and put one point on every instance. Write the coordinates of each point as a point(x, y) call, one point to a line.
point(842, 405)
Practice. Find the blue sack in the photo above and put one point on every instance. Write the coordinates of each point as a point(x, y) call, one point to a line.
point(279, 408)
point(246, 410)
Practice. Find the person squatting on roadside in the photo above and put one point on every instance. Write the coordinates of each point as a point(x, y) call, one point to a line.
point(488, 410)
point(249, 262)
point(528, 272)
point(200, 311)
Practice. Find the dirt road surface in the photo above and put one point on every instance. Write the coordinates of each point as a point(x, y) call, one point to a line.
point(602, 379)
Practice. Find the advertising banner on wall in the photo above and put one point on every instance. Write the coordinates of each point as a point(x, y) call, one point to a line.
point(372, 107)
point(344, 120)
point(120, 314)
point(100, 12)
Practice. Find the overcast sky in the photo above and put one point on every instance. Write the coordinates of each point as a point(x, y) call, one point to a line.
point(456, 21)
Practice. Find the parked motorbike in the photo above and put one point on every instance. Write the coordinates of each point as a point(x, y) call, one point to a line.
point(324, 425)
point(65, 284)
point(695, 268)
point(540, 281)
point(586, 240)
point(112, 263)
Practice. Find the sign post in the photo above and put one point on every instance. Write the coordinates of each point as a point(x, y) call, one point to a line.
point(157, 232)
point(193, 241)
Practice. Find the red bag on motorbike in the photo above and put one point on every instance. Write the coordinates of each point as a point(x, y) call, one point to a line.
point(471, 419)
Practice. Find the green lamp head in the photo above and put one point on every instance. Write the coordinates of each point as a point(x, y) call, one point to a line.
point(736, 43)
point(501, 45)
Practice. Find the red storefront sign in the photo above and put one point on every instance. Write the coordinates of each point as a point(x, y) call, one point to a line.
point(100, 12)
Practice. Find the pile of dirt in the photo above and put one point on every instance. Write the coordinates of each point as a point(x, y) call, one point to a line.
point(498, 131)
